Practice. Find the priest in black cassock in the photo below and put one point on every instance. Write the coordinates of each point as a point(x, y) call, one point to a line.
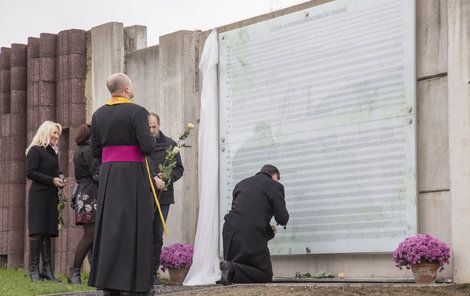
point(122, 247)
point(246, 230)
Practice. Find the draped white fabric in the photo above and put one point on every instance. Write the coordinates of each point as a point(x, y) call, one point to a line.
point(205, 267)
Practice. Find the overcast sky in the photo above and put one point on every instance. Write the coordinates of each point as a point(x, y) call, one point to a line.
point(21, 19)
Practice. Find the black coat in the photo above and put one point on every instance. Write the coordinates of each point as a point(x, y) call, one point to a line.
point(122, 246)
point(157, 157)
point(42, 166)
point(245, 237)
point(86, 175)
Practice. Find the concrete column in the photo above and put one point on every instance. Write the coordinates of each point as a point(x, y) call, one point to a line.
point(107, 42)
point(135, 38)
point(178, 106)
point(459, 134)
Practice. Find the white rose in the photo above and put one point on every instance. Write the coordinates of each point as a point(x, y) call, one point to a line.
point(190, 125)
point(176, 150)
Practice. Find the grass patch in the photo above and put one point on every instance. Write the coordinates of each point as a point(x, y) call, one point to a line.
point(17, 283)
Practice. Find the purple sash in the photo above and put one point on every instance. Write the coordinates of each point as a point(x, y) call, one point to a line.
point(122, 154)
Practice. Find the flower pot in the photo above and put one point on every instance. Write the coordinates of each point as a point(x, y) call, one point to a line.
point(425, 273)
point(177, 275)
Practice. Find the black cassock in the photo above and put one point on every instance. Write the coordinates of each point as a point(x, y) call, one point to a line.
point(122, 247)
point(246, 230)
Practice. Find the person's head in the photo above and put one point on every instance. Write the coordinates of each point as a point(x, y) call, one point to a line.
point(272, 171)
point(48, 133)
point(120, 85)
point(83, 134)
point(154, 124)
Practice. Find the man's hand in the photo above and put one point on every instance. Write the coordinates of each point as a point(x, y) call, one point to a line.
point(160, 183)
point(274, 228)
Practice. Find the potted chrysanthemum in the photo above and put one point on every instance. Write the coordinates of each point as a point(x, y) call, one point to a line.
point(424, 255)
point(177, 258)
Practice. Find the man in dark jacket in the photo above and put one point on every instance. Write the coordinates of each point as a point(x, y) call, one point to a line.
point(165, 197)
point(246, 230)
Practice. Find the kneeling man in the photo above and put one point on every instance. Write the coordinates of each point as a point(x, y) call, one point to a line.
point(246, 230)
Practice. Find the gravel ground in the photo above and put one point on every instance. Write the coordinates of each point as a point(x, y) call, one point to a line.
point(311, 289)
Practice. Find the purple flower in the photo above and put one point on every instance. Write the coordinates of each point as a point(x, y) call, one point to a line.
point(177, 256)
point(421, 248)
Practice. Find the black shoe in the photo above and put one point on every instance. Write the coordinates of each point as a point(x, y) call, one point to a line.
point(34, 247)
point(227, 273)
point(74, 276)
point(107, 292)
point(150, 293)
point(46, 252)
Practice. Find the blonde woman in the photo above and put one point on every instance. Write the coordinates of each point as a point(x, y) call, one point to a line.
point(42, 168)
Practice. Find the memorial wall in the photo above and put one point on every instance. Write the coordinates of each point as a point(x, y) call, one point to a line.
point(328, 95)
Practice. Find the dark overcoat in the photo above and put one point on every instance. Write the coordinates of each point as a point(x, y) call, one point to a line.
point(87, 177)
point(42, 166)
point(245, 237)
point(122, 247)
point(162, 142)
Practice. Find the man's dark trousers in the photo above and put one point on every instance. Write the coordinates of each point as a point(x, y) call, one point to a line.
point(158, 235)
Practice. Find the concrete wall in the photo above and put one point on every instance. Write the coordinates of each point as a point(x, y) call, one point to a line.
point(168, 82)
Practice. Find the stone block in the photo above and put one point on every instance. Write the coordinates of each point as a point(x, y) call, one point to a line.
point(3, 196)
point(19, 146)
point(62, 43)
point(5, 103)
point(34, 102)
point(33, 48)
point(3, 240)
point(77, 66)
point(36, 70)
point(77, 91)
point(16, 195)
point(48, 69)
point(19, 99)
point(18, 78)
point(15, 242)
point(77, 42)
point(433, 141)
point(17, 172)
point(16, 219)
point(2, 156)
point(4, 81)
point(33, 121)
point(74, 235)
point(431, 37)
point(47, 93)
point(17, 125)
point(46, 113)
point(5, 58)
point(47, 45)
point(18, 55)
point(62, 67)
point(5, 121)
point(77, 114)
point(15, 261)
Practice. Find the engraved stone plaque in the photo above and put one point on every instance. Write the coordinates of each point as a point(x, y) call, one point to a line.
point(328, 96)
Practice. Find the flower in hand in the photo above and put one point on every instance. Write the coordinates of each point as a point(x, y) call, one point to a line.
point(166, 168)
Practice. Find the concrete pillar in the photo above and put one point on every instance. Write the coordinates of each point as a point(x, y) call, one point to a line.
point(459, 133)
point(135, 38)
point(107, 42)
point(179, 105)
point(143, 67)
